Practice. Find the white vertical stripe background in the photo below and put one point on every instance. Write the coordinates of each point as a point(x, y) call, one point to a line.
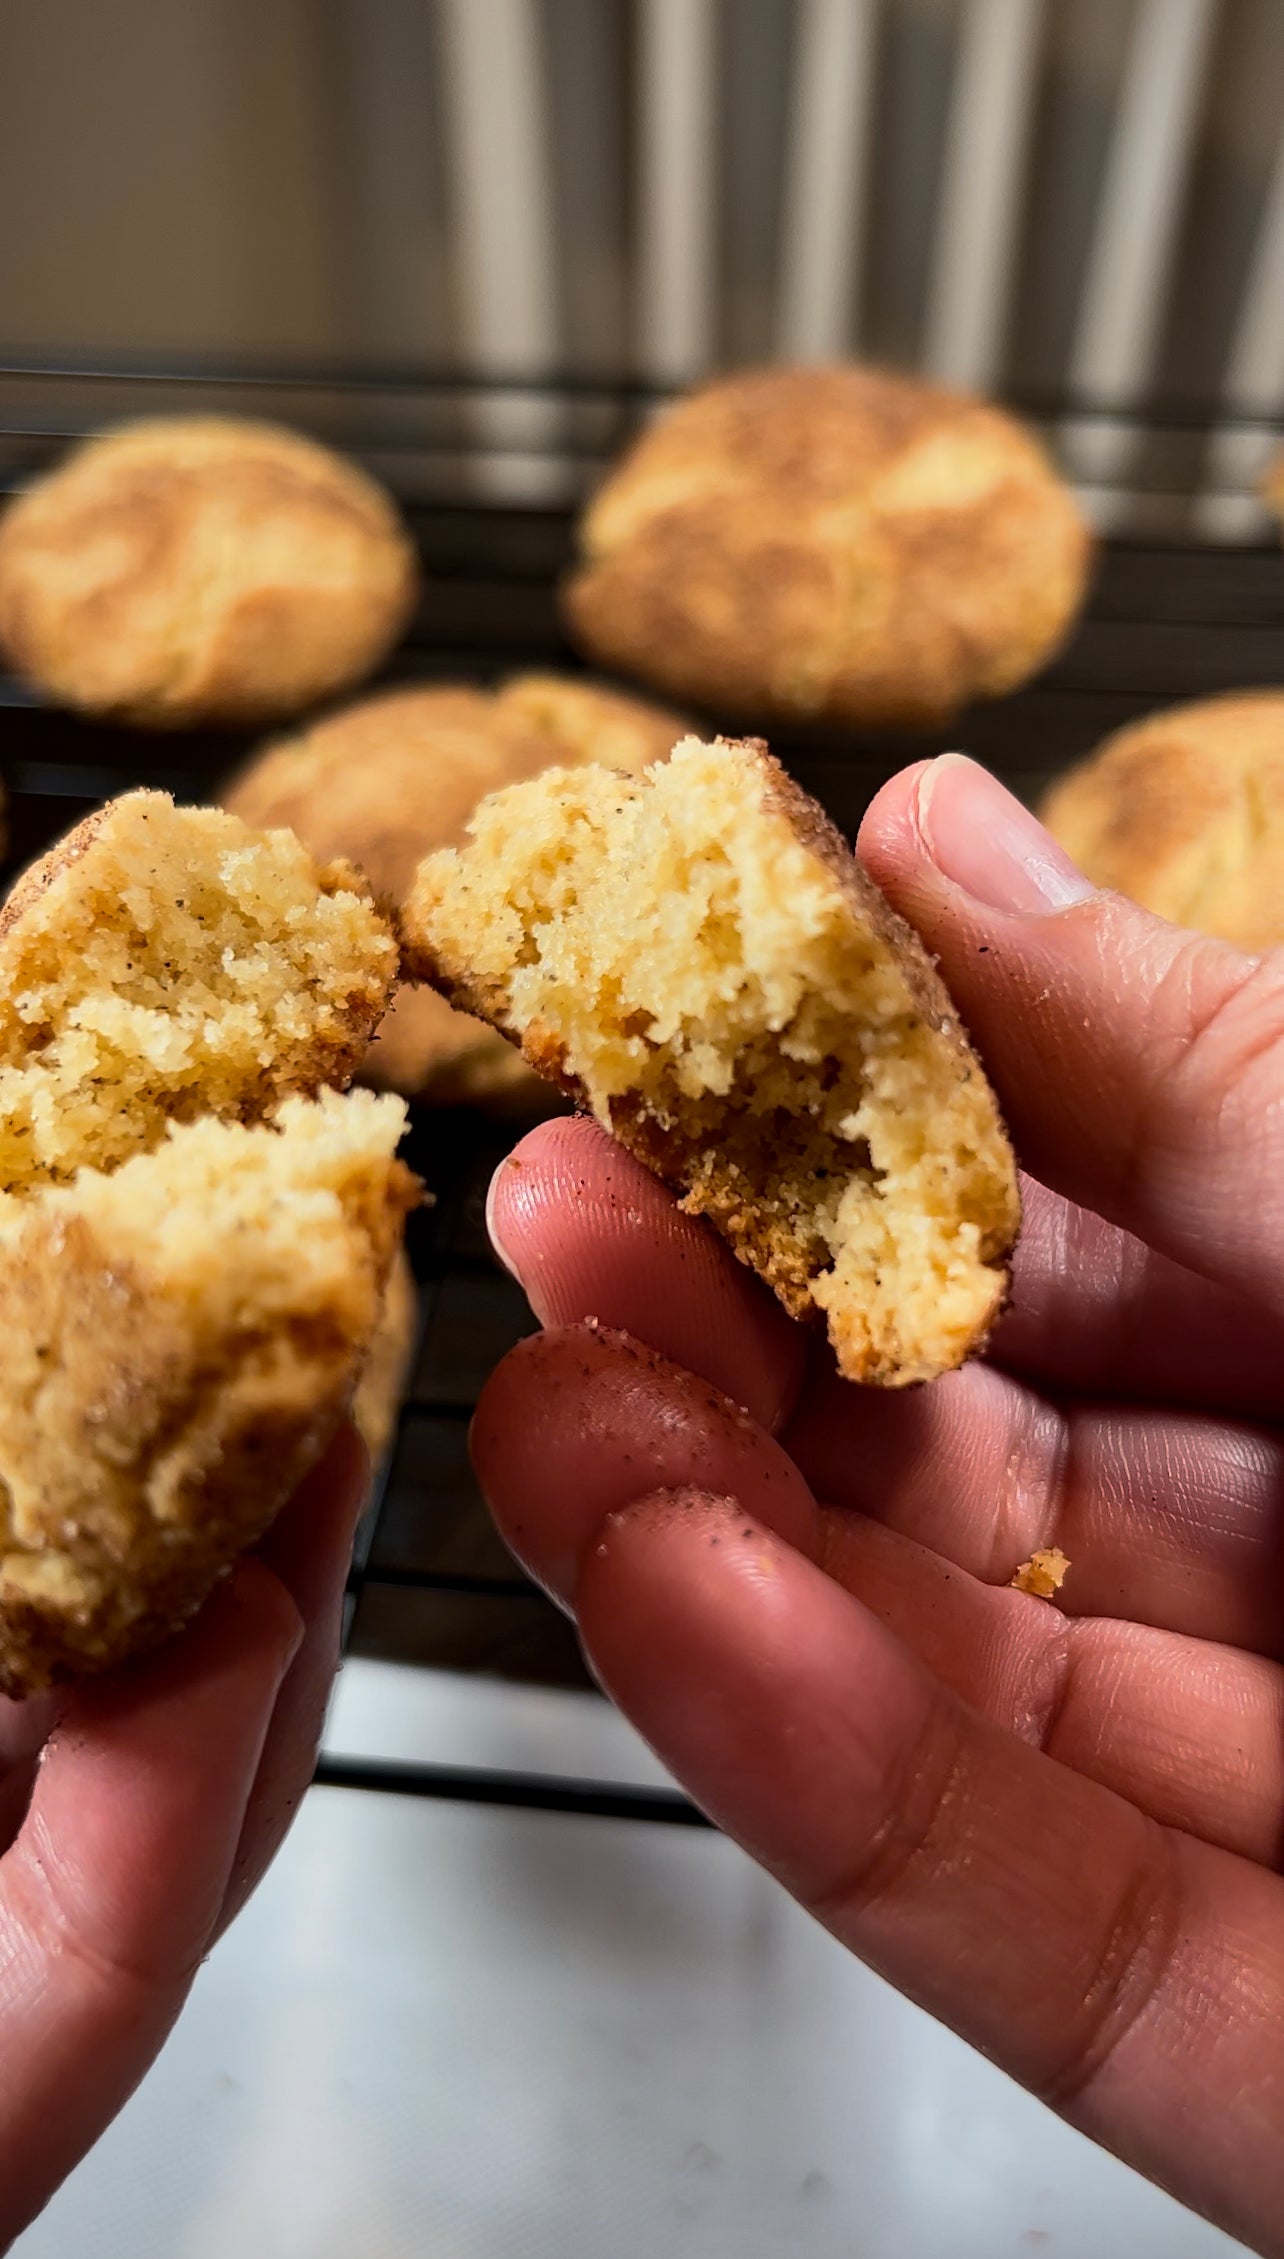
point(1139, 211)
point(1254, 378)
point(499, 152)
point(499, 162)
point(677, 187)
point(979, 208)
point(1255, 364)
point(822, 236)
point(1140, 204)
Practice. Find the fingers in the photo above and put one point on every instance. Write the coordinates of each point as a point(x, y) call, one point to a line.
point(160, 1803)
point(573, 1422)
point(591, 1234)
point(308, 1549)
point(1095, 1310)
point(111, 1892)
point(1167, 1518)
point(1188, 1731)
point(577, 1420)
point(1141, 1069)
point(1131, 1976)
point(1031, 1908)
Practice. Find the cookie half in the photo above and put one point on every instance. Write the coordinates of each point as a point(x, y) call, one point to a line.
point(196, 1228)
point(695, 955)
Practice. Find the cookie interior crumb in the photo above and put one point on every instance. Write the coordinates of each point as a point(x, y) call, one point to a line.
point(276, 1197)
point(188, 966)
point(736, 1002)
point(1043, 1574)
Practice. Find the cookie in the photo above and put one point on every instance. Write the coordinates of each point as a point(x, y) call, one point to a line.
point(388, 780)
point(195, 570)
point(1184, 812)
point(196, 1228)
point(830, 546)
point(163, 963)
point(695, 956)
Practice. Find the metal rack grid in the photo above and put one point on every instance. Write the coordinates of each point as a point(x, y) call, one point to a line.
point(489, 475)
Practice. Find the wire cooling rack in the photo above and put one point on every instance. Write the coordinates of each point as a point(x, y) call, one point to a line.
point(490, 475)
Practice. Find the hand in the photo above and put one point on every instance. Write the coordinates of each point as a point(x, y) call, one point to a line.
point(1056, 1827)
point(137, 1816)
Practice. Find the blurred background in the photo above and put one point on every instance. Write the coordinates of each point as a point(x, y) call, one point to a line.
point(1037, 196)
point(651, 186)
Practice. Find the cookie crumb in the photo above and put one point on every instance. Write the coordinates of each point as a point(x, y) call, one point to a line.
point(1043, 1574)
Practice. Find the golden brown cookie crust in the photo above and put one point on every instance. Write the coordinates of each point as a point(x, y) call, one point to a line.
point(830, 545)
point(191, 570)
point(1184, 813)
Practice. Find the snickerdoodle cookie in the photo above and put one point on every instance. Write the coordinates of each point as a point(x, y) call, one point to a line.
point(201, 570)
point(830, 545)
point(695, 955)
point(1184, 812)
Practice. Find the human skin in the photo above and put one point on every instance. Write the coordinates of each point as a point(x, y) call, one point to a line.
point(1057, 1827)
point(137, 1816)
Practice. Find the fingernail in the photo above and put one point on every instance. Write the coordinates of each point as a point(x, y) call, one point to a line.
point(984, 841)
point(493, 1232)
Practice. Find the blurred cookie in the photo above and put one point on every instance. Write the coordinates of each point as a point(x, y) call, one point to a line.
point(386, 781)
point(581, 721)
point(196, 569)
point(1272, 487)
point(1184, 812)
point(696, 956)
point(830, 545)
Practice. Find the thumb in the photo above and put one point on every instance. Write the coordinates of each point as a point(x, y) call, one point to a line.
point(1141, 1069)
